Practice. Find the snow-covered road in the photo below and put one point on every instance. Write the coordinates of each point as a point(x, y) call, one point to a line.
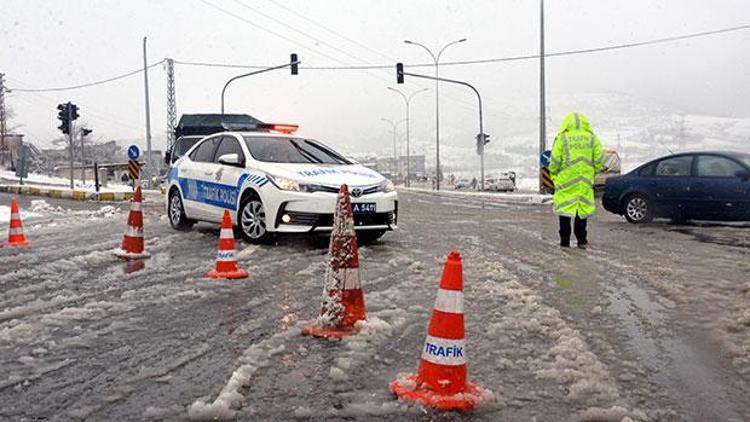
point(652, 323)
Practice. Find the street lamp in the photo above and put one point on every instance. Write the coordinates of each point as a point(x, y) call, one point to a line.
point(436, 59)
point(407, 100)
point(395, 150)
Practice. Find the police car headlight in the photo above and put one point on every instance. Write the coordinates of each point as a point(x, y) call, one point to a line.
point(388, 186)
point(284, 183)
point(311, 188)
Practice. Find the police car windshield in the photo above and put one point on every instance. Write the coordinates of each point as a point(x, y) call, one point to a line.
point(183, 145)
point(291, 150)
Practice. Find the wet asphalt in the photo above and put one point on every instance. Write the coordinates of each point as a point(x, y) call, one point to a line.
point(636, 325)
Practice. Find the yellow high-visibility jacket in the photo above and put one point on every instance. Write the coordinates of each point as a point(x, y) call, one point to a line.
point(576, 157)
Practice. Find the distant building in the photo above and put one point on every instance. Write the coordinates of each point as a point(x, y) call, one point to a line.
point(10, 147)
point(416, 165)
point(397, 170)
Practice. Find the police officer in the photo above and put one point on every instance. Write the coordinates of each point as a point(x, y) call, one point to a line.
point(576, 157)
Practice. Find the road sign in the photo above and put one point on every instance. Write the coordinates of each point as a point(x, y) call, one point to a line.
point(547, 180)
point(22, 164)
point(134, 169)
point(134, 152)
point(544, 158)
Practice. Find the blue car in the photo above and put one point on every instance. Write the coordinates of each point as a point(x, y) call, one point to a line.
point(708, 185)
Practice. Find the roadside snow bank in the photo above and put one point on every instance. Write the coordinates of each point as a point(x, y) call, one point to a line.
point(498, 197)
point(5, 215)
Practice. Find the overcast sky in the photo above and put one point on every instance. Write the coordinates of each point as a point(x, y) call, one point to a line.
point(61, 43)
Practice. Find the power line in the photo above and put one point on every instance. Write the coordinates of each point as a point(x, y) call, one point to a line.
point(263, 28)
point(605, 48)
point(46, 101)
point(327, 29)
point(501, 59)
point(390, 66)
point(256, 25)
point(86, 85)
point(299, 31)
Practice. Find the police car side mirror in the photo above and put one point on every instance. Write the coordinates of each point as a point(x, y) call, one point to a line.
point(230, 160)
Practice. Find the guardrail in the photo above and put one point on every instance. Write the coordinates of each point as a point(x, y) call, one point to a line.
point(78, 195)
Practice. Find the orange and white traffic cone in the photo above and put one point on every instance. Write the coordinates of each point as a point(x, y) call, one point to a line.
point(15, 232)
point(226, 263)
point(343, 300)
point(132, 242)
point(440, 381)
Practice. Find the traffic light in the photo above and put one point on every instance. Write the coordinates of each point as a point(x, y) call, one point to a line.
point(66, 114)
point(399, 73)
point(482, 140)
point(293, 60)
point(85, 132)
point(73, 111)
point(63, 115)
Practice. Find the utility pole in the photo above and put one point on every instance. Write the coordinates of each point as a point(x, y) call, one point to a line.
point(149, 163)
point(542, 99)
point(3, 117)
point(436, 59)
point(171, 105)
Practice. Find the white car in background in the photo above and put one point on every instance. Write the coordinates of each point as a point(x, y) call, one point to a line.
point(272, 181)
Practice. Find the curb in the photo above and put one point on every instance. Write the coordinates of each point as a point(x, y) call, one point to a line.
point(77, 195)
point(516, 198)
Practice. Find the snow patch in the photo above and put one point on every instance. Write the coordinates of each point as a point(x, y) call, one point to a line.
point(568, 360)
point(256, 357)
point(612, 414)
point(5, 215)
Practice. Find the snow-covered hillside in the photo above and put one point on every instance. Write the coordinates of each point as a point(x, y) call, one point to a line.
point(638, 129)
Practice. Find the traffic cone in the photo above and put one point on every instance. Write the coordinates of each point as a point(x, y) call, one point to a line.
point(343, 300)
point(226, 263)
point(132, 242)
point(15, 232)
point(440, 381)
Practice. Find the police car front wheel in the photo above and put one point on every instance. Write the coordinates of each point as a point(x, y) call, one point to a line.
point(253, 221)
point(177, 218)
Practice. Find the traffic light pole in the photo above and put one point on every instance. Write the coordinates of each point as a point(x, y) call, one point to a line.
point(293, 64)
point(481, 122)
point(70, 139)
point(83, 162)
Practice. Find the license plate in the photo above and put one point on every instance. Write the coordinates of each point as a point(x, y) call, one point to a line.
point(364, 208)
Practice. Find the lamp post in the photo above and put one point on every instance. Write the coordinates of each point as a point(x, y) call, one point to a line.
point(407, 101)
point(436, 59)
point(395, 150)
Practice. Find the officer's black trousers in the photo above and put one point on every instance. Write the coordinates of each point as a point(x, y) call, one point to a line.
point(579, 228)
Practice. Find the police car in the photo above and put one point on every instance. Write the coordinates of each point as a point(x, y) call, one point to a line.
point(273, 181)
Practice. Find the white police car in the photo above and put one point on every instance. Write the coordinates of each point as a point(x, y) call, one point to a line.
point(275, 182)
